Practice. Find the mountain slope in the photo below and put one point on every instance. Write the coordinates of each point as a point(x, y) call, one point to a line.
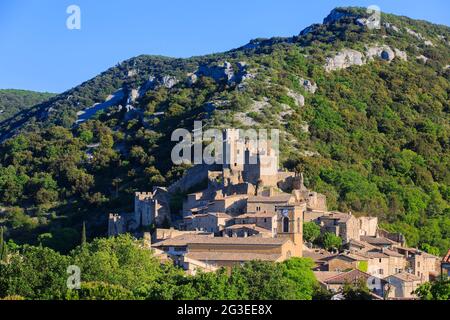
point(364, 113)
point(14, 101)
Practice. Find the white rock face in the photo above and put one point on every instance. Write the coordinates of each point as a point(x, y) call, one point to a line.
point(308, 85)
point(191, 79)
point(335, 15)
point(414, 34)
point(401, 54)
point(349, 57)
point(422, 58)
point(382, 52)
point(344, 59)
point(391, 26)
point(298, 98)
point(428, 43)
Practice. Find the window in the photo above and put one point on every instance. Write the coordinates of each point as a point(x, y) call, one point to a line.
point(379, 260)
point(265, 220)
point(380, 271)
point(418, 264)
point(285, 224)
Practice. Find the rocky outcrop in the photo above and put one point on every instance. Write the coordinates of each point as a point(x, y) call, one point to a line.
point(420, 37)
point(414, 34)
point(422, 58)
point(382, 52)
point(349, 57)
point(223, 73)
point(158, 82)
point(337, 14)
point(401, 54)
point(298, 98)
point(388, 25)
point(308, 85)
point(344, 59)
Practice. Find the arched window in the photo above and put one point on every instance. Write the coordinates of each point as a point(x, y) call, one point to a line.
point(285, 224)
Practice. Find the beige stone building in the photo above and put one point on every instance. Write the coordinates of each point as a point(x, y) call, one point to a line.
point(213, 222)
point(402, 285)
point(336, 280)
point(424, 265)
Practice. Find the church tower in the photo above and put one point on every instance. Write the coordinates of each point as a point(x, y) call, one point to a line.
point(290, 225)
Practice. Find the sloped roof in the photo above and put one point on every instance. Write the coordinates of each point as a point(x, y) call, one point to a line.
point(256, 215)
point(232, 256)
point(404, 276)
point(239, 241)
point(284, 197)
point(322, 276)
point(348, 277)
point(247, 226)
point(377, 240)
point(181, 240)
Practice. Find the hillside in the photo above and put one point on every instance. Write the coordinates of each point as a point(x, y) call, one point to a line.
point(364, 113)
point(14, 101)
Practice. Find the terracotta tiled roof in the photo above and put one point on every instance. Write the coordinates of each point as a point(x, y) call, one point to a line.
point(182, 240)
point(322, 276)
point(334, 215)
point(239, 241)
point(407, 277)
point(377, 240)
point(247, 226)
point(257, 215)
point(232, 256)
point(348, 277)
point(285, 197)
point(316, 255)
point(364, 245)
point(351, 256)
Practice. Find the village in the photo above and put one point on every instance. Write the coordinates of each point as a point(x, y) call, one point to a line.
point(252, 211)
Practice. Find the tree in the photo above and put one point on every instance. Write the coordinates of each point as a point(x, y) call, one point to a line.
point(34, 273)
point(83, 234)
point(311, 231)
point(330, 241)
point(356, 291)
point(99, 291)
point(437, 290)
point(117, 261)
point(3, 247)
point(261, 280)
point(299, 271)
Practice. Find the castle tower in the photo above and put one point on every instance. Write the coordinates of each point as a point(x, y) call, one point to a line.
point(290, 225)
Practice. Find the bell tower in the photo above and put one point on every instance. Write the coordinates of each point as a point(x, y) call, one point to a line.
point(290, 225)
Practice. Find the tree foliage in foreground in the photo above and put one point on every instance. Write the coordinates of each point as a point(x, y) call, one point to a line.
point(120, 269)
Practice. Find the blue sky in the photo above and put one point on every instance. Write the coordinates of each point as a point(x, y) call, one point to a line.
point(39, 53)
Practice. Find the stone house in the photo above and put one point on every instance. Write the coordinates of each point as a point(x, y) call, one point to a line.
point(424, 265)
point(402, 285)
point(336, 280)
point(265, 220)
point(245, 230)
point(345, 261)
point(384, 262)
point(343, 225)
point(213, 222)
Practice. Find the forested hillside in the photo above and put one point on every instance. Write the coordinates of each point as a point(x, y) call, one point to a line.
point(14, 101)
point(365, 113)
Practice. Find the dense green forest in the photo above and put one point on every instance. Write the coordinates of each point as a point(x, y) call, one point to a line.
point(14, 101)
point(374, 138)
point(123, 269)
